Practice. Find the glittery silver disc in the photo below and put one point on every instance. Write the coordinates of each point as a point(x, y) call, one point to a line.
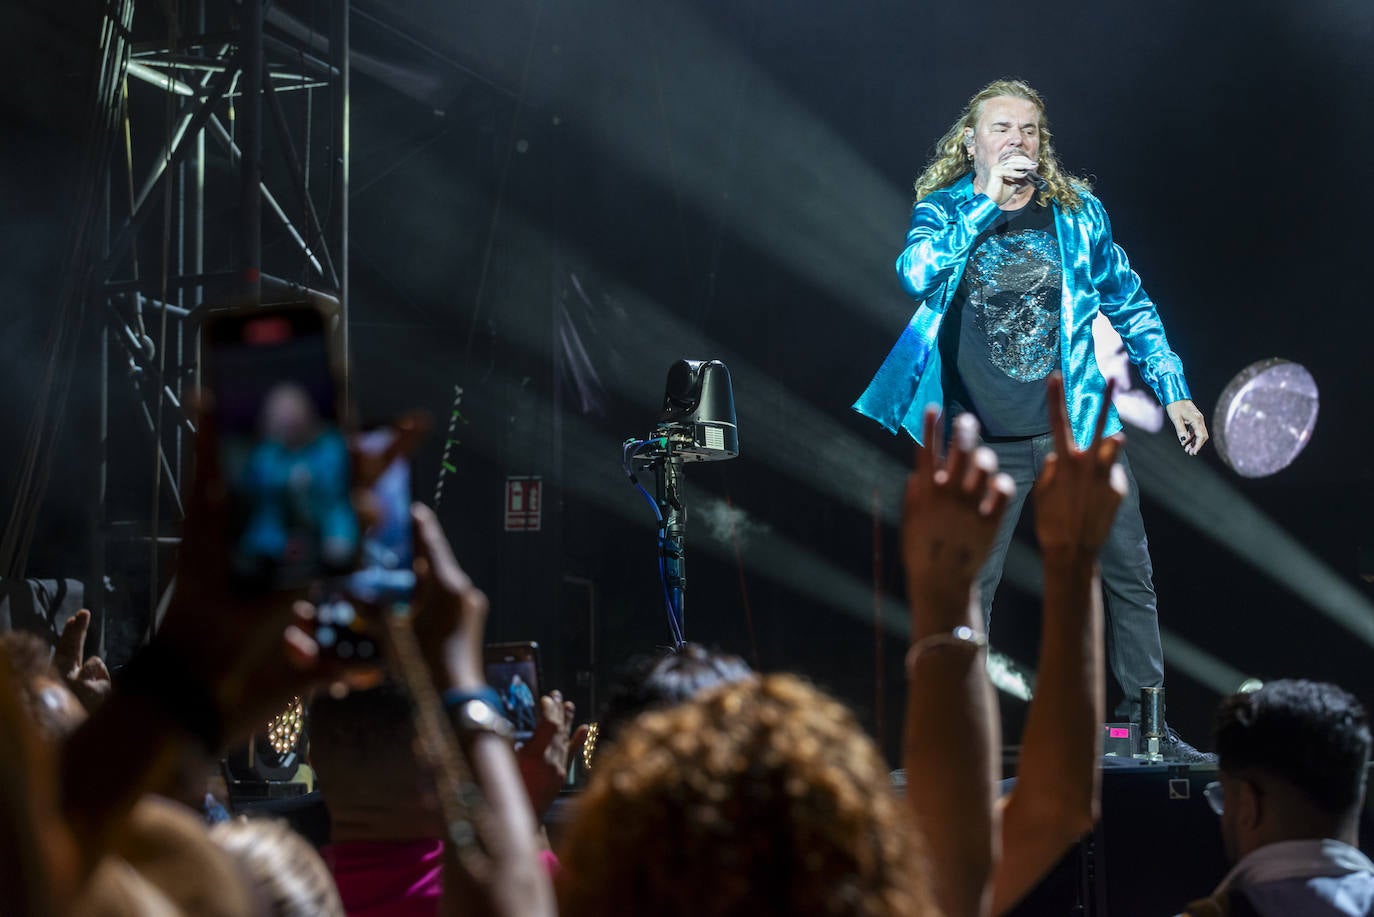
point(1265, 417)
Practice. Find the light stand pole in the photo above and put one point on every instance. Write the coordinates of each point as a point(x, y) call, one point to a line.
point(697, 424)
point(672, 541)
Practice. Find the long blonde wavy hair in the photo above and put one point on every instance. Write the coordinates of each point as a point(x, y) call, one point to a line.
point(762, 798)
point(952, 159)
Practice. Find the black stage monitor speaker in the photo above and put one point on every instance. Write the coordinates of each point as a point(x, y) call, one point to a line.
point(1156, 847)
point(1159, 843)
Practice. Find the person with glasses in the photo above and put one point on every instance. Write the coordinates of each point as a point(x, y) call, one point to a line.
point(1293, 761)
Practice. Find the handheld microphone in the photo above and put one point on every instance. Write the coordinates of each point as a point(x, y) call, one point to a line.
point(1034, 178)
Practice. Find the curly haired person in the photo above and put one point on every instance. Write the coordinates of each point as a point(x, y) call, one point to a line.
point(760, 797)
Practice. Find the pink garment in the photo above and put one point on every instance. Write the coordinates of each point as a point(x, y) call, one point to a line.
point(396, 878)
point(388, 878)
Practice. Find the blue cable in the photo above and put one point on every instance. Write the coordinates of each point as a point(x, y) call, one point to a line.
point(630, 450)
point(673, 623)
point(658, 513)
point(627, 458)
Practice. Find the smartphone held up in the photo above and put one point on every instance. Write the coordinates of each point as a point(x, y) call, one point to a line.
point(515, 671)
point(282, 448)
point(315, 506)
point(385, 578)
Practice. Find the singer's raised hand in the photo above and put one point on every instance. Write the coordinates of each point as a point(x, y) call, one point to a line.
point(1007, 177)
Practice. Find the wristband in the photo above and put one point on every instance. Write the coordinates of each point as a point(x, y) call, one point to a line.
point(159, 678)
point(478, 711)
point(472, 717)
point(961, 636)
point(455, 697)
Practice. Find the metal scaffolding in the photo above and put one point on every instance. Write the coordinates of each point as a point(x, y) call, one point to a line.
point(224, 237)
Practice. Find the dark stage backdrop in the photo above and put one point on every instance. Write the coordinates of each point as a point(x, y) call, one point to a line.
point(553, 202)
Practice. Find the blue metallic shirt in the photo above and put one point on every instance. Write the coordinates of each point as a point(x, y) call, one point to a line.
point(1096, 276)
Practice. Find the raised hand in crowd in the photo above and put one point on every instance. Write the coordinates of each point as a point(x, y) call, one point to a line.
point(1077, 493)
point(545, 757)
point(449, 621)
point(952, 507)
point(87, 677)
point(219, 665)
point(950, 516)
point(1055, 799)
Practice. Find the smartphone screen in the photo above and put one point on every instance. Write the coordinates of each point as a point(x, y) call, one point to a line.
point(282, 451)
point(385, 578)
point(513, 670)
point(386, 575)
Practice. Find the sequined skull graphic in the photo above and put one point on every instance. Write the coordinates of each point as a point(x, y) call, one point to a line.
point(1014, 291)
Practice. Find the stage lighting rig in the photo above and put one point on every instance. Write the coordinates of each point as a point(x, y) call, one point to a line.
point(697, 424)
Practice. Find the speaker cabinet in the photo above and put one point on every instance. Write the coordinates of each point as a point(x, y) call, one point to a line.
point(1156, 847)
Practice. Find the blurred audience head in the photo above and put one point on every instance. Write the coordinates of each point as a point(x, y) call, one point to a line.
point(656, 682)
point(50, 704)
point(760, 797)
point(362, 746)
point(288, 877)
point(1292, 764)
point(169, 846)
point(38, 868)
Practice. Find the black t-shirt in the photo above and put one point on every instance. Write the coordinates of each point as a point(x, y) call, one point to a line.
point(1000, 338)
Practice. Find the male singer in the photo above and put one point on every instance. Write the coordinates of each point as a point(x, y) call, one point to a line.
point(1010, 260)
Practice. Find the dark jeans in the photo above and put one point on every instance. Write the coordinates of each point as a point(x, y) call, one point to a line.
point(1132, 622)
